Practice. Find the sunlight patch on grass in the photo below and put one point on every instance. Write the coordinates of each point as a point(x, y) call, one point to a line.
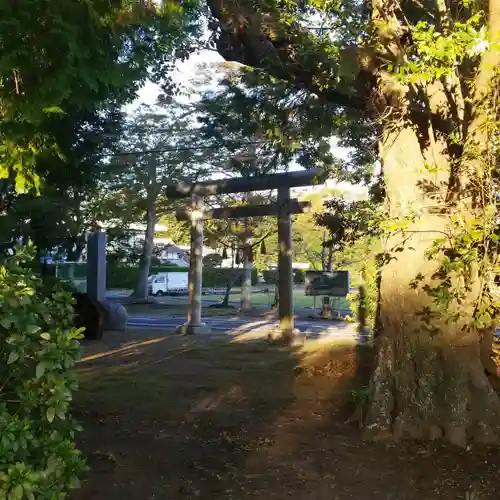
point(122, 350)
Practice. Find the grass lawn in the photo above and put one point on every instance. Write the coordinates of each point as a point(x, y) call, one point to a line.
point(169, 417)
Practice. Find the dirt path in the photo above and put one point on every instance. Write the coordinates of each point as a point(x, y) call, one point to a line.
point(183, 418)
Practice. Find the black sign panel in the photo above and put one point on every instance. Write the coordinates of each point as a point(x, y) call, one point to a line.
point(335, 284)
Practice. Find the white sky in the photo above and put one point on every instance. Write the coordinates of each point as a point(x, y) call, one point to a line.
point(184, 72)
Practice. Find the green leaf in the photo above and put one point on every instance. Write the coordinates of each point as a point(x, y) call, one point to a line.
point(40, 369)
point(74, 483)
point(16, 493)
point(13, 357)
point(51, 413)
point(7, 322)
point(30, 329)
point(53, 110)
point(45, 336)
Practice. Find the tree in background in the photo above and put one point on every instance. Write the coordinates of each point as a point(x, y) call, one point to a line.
point(212, 260)
point(232, 237)
point(155, 152)
point(57, 215)
point(239, 118)
point(178, 231)
point(60, 111)
point(345, 221)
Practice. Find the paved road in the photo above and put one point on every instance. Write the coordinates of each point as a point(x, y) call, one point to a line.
point(238, 326)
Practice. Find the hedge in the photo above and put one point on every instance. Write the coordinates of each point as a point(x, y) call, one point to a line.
point(123, 276)
point(117, 276)
point(271, 276)
point(222, 276)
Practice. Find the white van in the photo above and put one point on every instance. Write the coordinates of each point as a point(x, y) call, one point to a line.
point(167, 283)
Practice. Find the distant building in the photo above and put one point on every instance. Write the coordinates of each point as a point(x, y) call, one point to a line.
point(175, 255)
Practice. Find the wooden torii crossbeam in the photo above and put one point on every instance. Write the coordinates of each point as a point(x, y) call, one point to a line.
point(245, 184)
point(283, 209)
point(243, 211)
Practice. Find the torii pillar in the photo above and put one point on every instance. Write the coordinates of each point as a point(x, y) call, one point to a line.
point(194, 323)
point(285, 271)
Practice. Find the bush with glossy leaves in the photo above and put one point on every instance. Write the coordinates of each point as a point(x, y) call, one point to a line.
point(38, 350)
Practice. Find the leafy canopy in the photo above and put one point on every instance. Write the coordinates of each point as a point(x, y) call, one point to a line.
point(76, 55)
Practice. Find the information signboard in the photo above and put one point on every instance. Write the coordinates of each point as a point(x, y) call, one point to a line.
point(334, 284)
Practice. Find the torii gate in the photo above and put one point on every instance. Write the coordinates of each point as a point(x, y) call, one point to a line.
point(283, 209)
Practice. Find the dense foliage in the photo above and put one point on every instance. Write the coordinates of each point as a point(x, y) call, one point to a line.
point(62, 86)
point(38, 350)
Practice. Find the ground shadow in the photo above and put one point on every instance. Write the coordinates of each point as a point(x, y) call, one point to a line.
point(170, 417)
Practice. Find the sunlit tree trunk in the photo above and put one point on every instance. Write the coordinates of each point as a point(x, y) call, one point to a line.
point(429, 380)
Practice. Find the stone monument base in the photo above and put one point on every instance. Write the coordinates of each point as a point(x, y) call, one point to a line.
point(89, 314)
point(116, 316)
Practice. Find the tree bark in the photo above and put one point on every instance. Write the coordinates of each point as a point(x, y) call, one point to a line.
point(227, 294)
point(330, 259)
point(141, 289)
point(429, 381)
point(323, 253)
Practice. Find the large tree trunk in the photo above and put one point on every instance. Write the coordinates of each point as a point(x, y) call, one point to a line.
point(429, 380)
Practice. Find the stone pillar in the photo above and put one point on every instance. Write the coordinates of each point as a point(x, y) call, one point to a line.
point(285, 272)
point(96, 265)
point(194, 323)
point(246, 289)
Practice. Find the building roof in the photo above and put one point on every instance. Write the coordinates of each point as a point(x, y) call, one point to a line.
point(174, 248)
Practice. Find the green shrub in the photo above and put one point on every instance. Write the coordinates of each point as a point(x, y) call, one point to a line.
point(125, 276)
point(271, 276)
point(299, 276)
point(38, 351)
point(222, 276)
point(370, 299)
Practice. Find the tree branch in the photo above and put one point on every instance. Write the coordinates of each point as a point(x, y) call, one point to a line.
point(253, 37)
